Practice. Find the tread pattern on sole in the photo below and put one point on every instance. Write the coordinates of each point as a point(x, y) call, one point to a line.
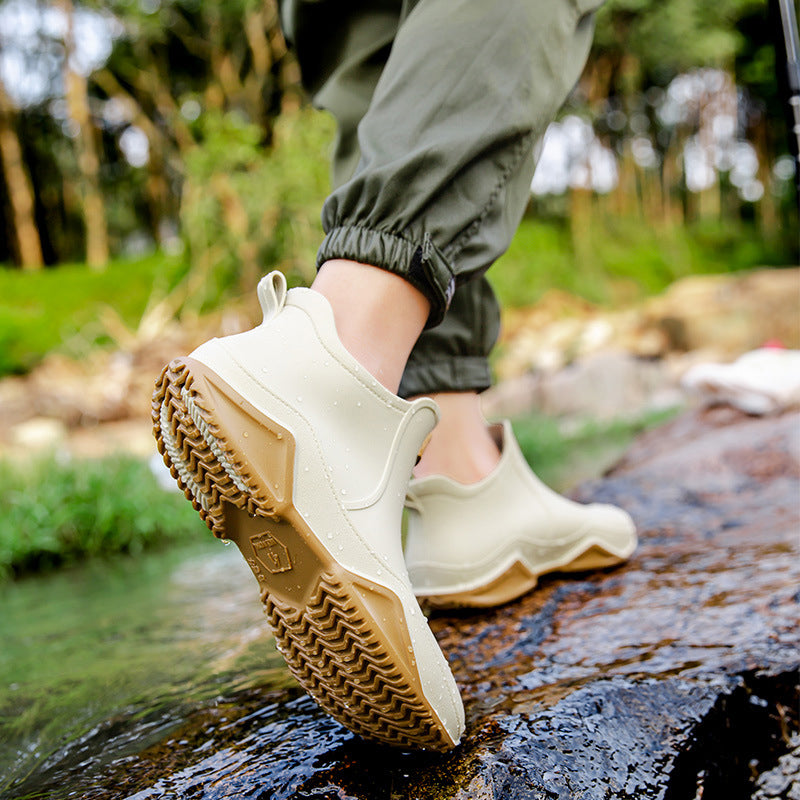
point(332, 650)
point(208, 473)
point(332, 645)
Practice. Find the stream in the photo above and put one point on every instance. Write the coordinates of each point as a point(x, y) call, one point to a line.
point(100, 661)
point(109, 657)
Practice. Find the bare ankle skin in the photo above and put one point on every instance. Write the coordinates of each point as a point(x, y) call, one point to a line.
point(461, 447)
point(379, 315)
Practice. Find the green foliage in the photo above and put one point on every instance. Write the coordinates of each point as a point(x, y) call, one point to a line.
point(612, 259)
point(41, 311)
point(59, 513)
point(670, 36)
point(621, 259)
point(563, 456)
point(247, 208)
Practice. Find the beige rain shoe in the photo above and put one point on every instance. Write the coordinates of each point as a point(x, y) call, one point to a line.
point(487, 543)
point(288, 447)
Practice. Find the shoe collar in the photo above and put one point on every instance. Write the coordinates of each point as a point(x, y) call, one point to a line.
point(503, 435)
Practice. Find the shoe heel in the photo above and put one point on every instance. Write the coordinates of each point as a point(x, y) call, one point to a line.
point(195, 448)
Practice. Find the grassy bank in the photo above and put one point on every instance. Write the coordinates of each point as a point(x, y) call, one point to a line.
point(615, 259)
point(61, 307)
point(56, 513)
point(612, 260)
point(564, 454)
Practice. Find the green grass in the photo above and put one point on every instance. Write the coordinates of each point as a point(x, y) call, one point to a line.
point(46, 310)
point(564, 456)
point(58, 513)
point(614, 259)
point(621, 259)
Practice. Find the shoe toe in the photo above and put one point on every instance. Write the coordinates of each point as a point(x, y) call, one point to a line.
point(615, 527)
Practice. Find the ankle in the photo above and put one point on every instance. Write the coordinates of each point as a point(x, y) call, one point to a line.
point(378, 315)
point(462, 446)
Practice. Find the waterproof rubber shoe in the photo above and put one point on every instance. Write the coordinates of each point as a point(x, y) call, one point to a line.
point(288, 447)
point(485, 544)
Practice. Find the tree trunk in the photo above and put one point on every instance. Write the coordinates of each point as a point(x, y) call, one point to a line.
point(76, 85)
point(20, 191)
point(767, 210)
point(158, 193)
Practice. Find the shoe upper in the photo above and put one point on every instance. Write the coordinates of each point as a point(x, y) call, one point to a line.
point(294, 366)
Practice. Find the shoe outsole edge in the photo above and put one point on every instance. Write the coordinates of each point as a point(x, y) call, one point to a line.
point(519, 578)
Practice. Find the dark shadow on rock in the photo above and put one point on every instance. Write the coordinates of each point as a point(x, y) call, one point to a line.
point(672, 674)
point(741, 737)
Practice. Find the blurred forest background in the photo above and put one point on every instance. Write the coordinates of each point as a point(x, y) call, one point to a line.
point(163, 151)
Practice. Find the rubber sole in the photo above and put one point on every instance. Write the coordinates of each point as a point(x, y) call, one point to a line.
point(344, 637)
point(518, 580)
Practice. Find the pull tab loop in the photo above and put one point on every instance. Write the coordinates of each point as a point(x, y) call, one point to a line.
point(412, 502)
point(272, 294)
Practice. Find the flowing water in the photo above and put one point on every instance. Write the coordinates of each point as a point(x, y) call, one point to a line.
point(129, 645)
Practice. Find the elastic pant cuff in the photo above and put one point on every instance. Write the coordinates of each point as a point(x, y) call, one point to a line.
point(459, 374)
point(421, 263)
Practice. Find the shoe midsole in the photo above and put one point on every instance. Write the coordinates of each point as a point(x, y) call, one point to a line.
point(432, 580)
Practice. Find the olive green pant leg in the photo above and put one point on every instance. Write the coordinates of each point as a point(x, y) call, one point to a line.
point(342, 49)
point(454, 355)
point(434, 156)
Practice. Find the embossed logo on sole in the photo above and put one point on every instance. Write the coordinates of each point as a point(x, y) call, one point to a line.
point(270, 553)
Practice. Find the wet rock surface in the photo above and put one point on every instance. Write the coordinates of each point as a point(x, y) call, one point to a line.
point(673, 676)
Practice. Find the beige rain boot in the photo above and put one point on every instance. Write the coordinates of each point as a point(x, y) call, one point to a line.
point(486, 543)
point(288, 447)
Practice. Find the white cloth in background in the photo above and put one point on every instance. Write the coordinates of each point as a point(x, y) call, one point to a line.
point(762, 381)
point(162, 475)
